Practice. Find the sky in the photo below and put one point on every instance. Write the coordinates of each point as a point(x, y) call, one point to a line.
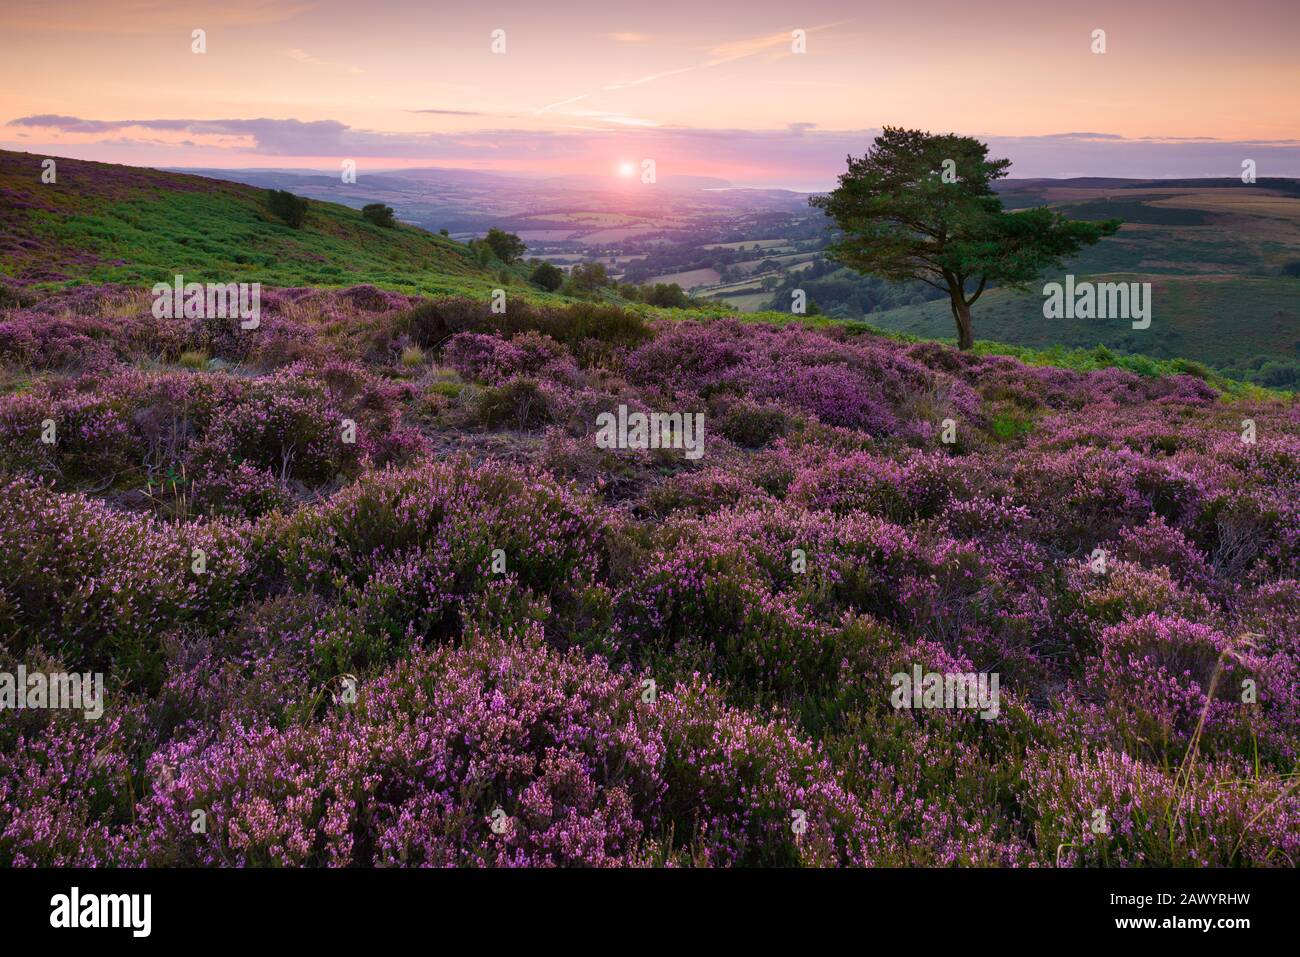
point(704, 88)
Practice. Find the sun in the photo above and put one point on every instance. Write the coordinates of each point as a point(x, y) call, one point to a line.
point(626, 169)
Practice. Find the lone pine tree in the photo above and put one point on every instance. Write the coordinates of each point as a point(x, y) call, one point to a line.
point(921, 206)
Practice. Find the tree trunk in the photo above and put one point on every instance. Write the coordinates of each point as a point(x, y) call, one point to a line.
point(961, 313)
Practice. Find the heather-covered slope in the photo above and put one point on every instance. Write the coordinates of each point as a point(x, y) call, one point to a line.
point(102, 222)
point(499, 591)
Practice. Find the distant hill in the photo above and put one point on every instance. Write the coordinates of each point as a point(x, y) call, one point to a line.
point(538, 208)
point(107, 223)
point(1111, 182)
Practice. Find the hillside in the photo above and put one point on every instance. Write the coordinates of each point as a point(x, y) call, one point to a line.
point(1220, 258)
point(1219, 320)
point(106, 223)
point(1223, 261)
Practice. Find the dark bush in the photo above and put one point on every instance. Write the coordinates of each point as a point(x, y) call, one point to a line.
point(1279, 374)
point(588, 277)
point(547, 276)
point(517, 404)
point(288, 207)
point(667, 294)
point(752, 425)
point(431, 323)
point(379, 214)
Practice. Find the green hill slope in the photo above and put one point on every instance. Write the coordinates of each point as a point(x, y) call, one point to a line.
point(1219, 320)
point(1223, 263)
point(106, 223)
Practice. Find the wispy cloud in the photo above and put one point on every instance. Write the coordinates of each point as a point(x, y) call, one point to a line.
point(555, 106)
point(619, 119)
point(750, 46)
point(779, 44)
point(448, 112)
point(772, 44)
point(302, 56)
point(650, 78)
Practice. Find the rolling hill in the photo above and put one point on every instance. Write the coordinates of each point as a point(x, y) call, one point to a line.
point(100, 222)
point(1222, 261)
point(1219, 259)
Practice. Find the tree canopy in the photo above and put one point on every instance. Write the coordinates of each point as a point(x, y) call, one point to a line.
point(507, 247)
point(921, 206)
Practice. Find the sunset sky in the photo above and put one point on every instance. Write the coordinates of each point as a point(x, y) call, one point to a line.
point(1185, 87)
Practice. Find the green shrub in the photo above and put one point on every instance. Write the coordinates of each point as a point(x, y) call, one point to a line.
point(1009, 423)
point(548, 276)
point(379, 214)
point(288, 207)
point(507, 247)
point(752, 425)
point(194, 359)
point(669, 295)
point(588, 277)
point(518, 404)
point(448, 388)
point(432, 323)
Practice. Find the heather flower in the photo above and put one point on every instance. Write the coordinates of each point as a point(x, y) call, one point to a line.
point(469, 636)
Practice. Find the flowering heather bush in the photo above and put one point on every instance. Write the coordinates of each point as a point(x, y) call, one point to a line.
point(96, 586)
point(61, 788)
point(1149, 818)
point(443, 740)
point(494, 360)
point(1171, 665)
point(465, 635)
point(858, 385)
point(702, 491)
